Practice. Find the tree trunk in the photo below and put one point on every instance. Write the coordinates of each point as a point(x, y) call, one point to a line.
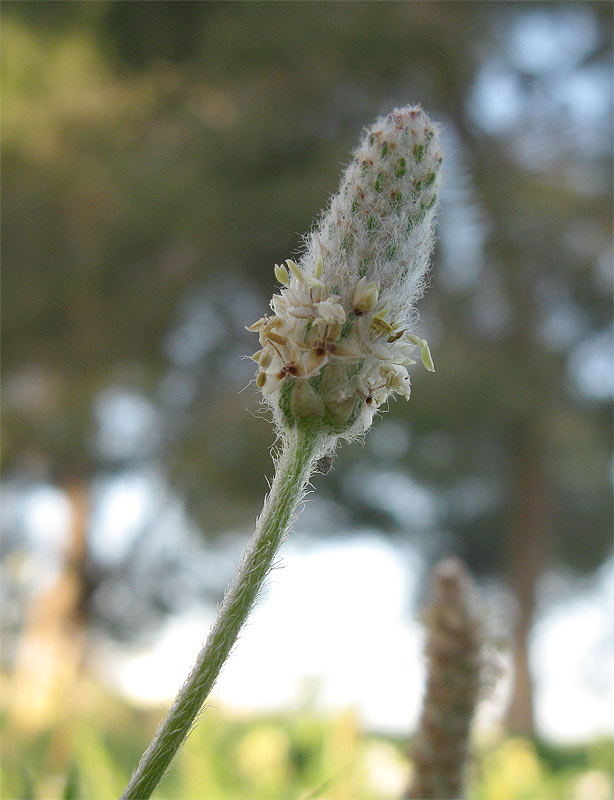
point(51, 645)
point(528, 551)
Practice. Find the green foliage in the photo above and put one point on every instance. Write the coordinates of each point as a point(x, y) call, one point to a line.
point(518, 769)
point(273, 757)
point(72, 790)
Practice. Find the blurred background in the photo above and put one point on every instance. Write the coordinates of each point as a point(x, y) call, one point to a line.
point(158, 159)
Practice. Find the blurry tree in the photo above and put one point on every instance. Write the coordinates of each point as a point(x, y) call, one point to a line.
point(159, 160)
point(516, 431)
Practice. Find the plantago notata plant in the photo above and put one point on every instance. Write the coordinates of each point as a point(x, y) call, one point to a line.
point(337, 345)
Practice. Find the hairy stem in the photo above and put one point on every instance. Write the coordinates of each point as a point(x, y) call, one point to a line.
point(302, 446)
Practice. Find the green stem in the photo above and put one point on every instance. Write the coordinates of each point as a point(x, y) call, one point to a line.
point(292, 473)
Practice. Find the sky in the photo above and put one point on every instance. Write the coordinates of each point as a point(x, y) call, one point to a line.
point(337, 626)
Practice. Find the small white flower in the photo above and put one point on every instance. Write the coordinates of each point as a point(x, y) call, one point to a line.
point(397, 379)
point(331, 312)
point(364, 296)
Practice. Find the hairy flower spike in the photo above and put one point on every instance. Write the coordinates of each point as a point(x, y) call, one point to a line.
point(339, 343)
point(456, 652)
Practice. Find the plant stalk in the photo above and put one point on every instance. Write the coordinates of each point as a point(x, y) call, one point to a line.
point(293, 470)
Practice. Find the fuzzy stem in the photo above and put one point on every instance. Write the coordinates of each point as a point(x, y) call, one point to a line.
point(301, 448)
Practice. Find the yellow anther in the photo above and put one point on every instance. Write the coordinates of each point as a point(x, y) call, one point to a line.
point(395, 336)
point(296, 271)
point(281, 273)
point(257, 325)
point(260, 379)
point(257, 354)
point(313, 281)
point(319, 267)
point(427, 359)
point(274, 337)
point(380, 326)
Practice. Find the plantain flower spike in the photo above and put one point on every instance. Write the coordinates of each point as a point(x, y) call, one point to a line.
point(339, 341)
